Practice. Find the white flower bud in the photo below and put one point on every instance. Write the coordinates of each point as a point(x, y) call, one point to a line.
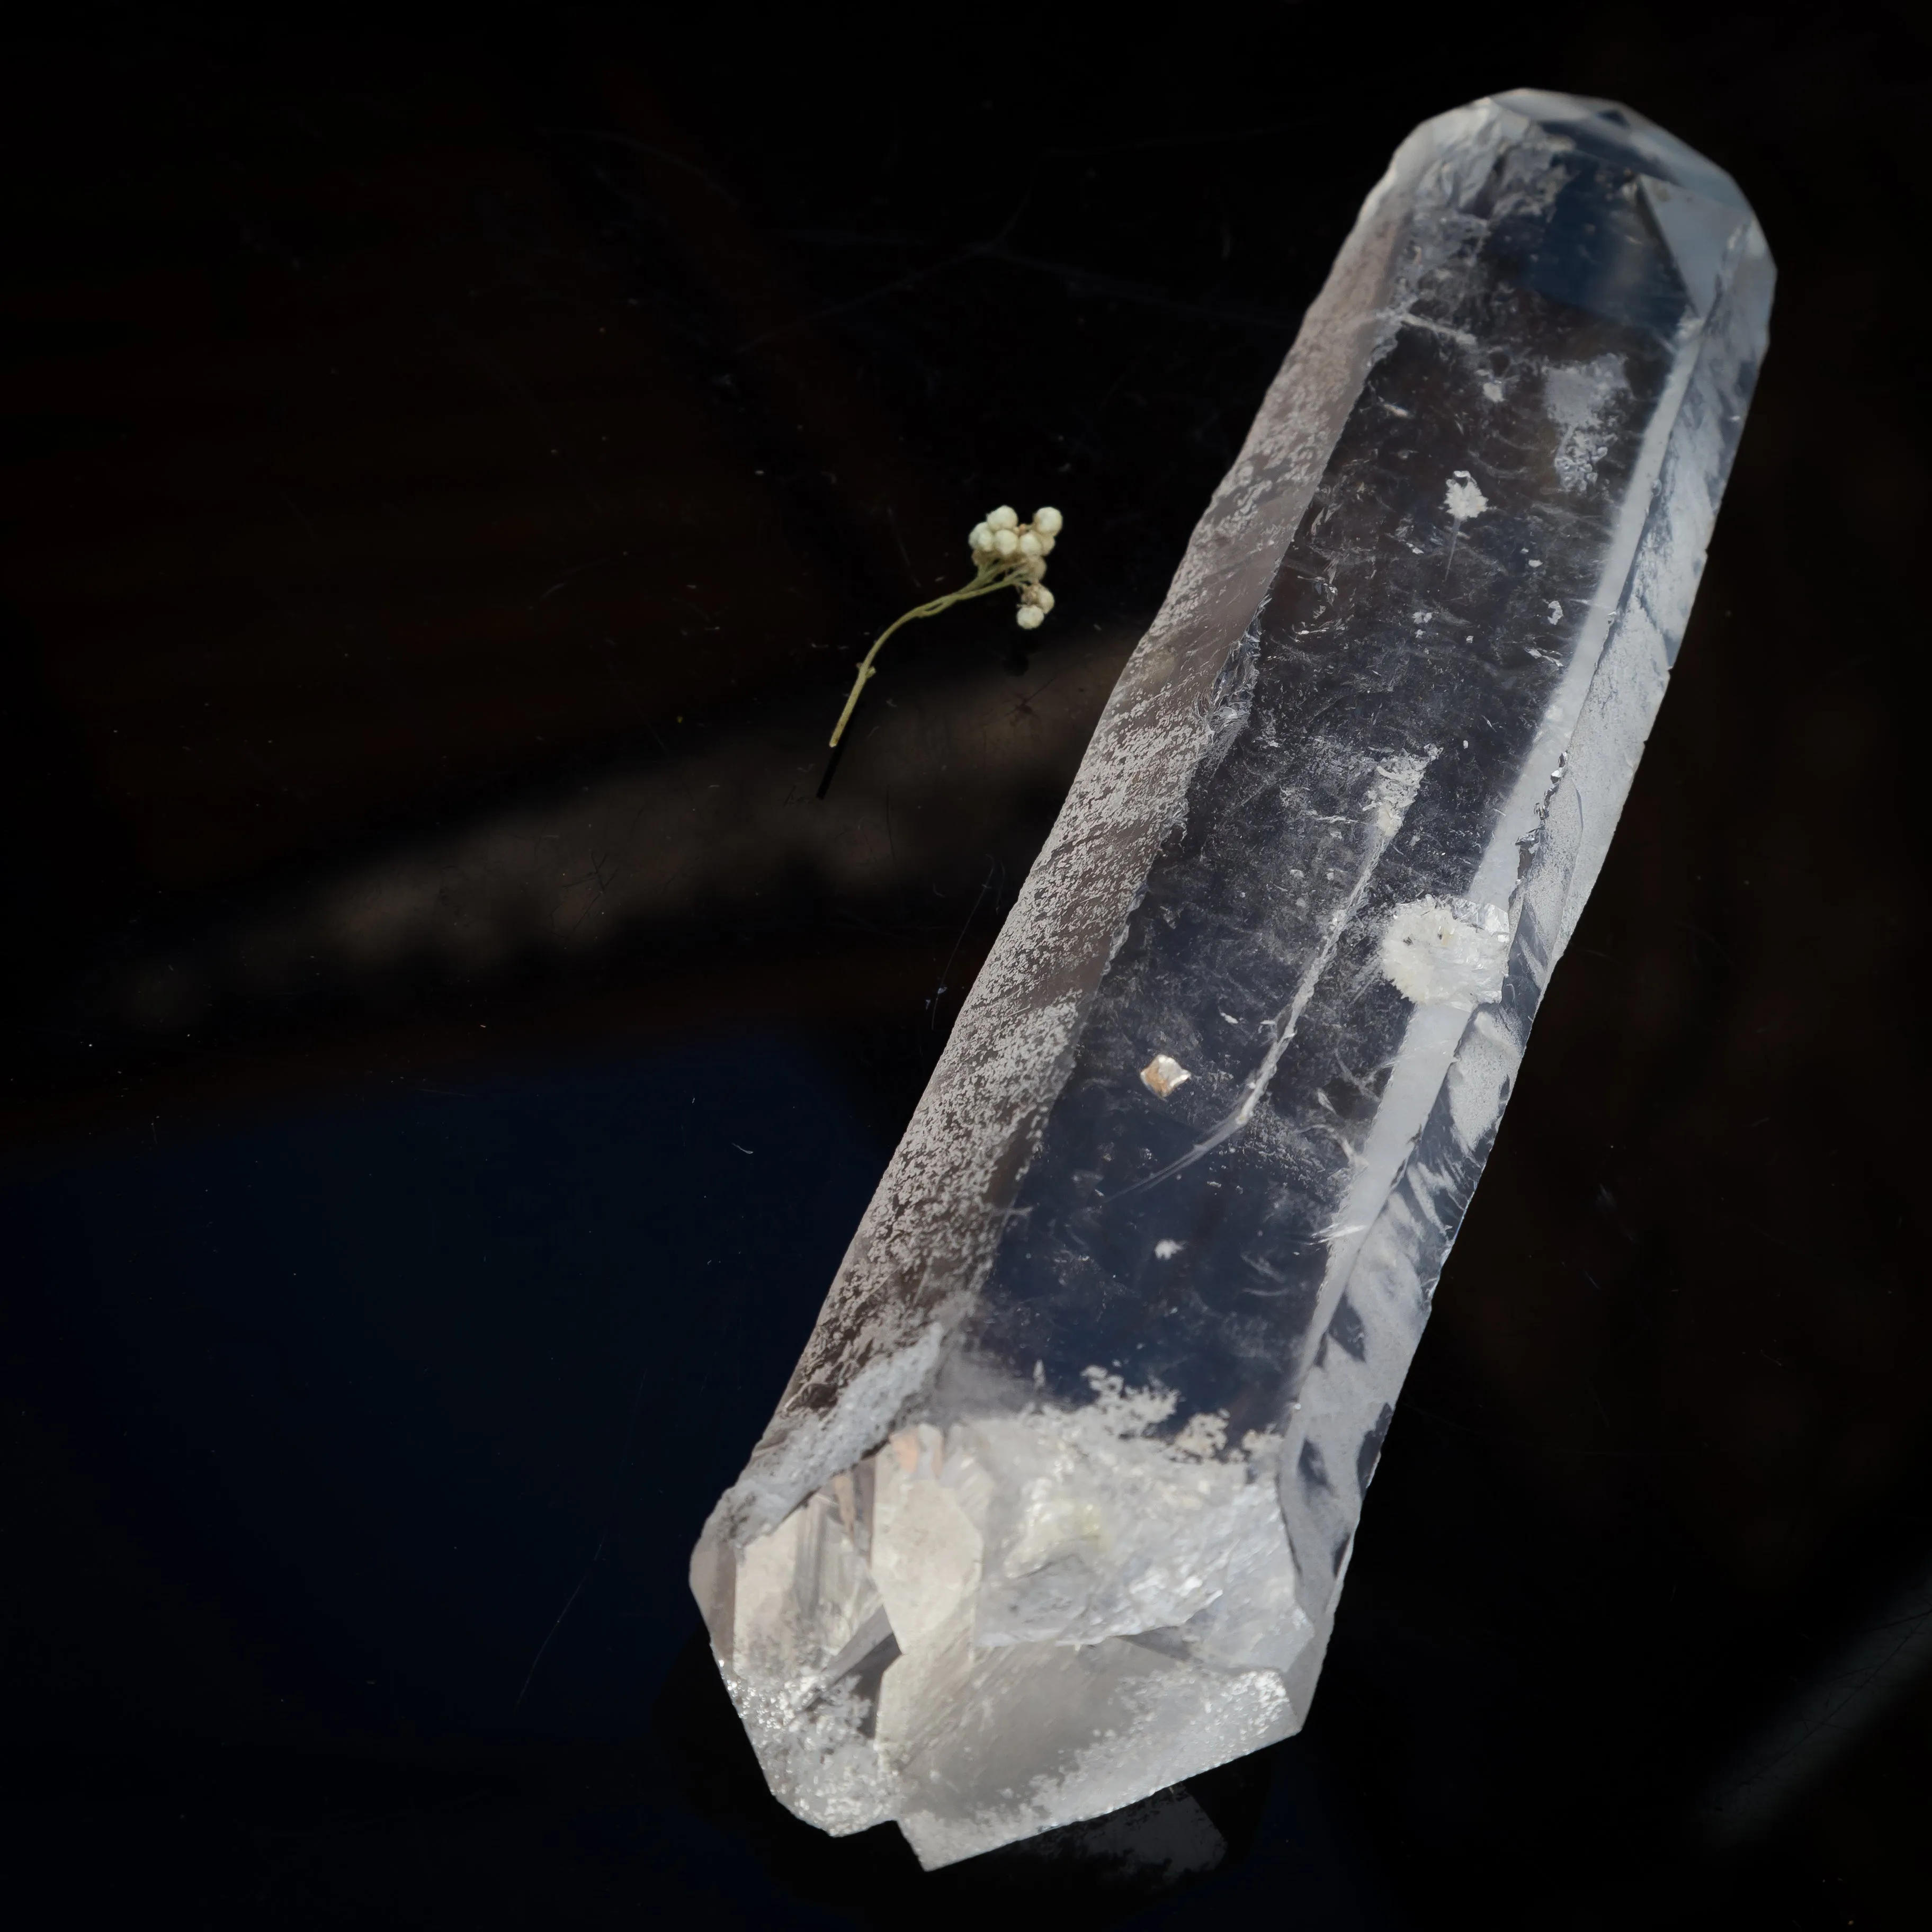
point(1029, 545)
point(982, 538)
point(1046, 544)
point(1043, 598)
point(1004, 541)
point(1030, 616)
point(1006, 517)
point(1048, 522)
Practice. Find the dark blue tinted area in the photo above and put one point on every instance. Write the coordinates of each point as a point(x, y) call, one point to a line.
point(425, 1368)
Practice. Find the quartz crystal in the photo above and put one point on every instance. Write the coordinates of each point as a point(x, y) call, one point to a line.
point(1055, 1511)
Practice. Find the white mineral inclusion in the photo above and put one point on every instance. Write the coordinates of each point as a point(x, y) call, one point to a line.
point(1163, 1073)
point(1577, 398)
point(1463, 499)
point(1446, 952)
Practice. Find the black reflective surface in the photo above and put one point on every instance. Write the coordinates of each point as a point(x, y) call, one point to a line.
point(453, 1025)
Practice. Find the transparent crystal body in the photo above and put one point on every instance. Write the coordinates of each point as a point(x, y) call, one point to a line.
point(1057, 1508)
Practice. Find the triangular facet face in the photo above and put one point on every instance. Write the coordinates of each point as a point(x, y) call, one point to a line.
point(1696, 208)
point(1702, 236)
point(1615, 134)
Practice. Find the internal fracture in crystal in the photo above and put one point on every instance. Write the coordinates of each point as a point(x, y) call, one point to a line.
point(1056, 1510)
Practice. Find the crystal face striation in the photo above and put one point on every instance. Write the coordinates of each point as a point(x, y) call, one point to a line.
point(1056, 1510)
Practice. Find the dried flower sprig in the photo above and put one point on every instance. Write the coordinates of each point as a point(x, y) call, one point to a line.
point(1006, 554)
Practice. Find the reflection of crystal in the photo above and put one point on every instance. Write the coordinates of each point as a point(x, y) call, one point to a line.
point(1056, 1510)
point(1146, 1850)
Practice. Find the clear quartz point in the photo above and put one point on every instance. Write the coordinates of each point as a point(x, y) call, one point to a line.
point(1056, 1509)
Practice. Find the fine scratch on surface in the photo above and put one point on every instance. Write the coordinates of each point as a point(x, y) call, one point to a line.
point(1070, 274)
point(530, 1676)
point(597, 1556)
point(939, 992)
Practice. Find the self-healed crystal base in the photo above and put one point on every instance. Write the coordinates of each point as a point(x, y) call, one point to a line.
point(1056, 1510)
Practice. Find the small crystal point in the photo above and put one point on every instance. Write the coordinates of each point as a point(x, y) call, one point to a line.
point(1056, 1510)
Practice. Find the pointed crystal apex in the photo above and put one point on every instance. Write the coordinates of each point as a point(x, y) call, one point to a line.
point(1696, 208)
point(1610, 132)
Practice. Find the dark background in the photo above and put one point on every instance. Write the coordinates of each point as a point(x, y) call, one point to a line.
point(451, 470)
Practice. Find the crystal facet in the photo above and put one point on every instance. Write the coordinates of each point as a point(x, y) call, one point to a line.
point(1056, 1510)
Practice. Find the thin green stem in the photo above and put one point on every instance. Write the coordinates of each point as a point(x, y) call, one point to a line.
point(990, 577)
